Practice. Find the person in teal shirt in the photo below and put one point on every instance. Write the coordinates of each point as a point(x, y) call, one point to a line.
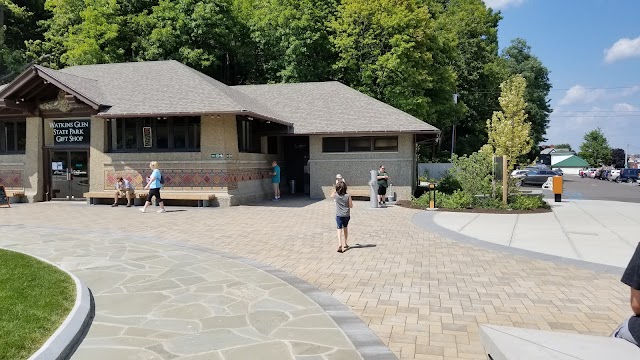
point(275, 180)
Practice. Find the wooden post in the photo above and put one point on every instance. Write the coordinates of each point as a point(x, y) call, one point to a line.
point(505, 181)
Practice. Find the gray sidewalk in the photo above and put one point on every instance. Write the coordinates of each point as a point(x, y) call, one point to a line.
point(603, 232)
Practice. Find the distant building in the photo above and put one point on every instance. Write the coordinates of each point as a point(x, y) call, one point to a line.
point(552, 155)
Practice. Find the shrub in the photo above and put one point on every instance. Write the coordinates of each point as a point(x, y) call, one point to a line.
point(488, 203)
point(527, 202)
point(448, 184)
point(458, 200)
point(474, 172)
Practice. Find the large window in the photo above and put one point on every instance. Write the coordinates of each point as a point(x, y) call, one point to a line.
point(248, 137)
point(359, 144)
point(154, 134)
point(13, 136)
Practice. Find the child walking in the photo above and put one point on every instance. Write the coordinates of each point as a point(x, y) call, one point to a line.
point(343, 213)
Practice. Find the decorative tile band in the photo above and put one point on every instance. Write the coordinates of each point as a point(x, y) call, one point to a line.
point(11, 178)
point(189, 178)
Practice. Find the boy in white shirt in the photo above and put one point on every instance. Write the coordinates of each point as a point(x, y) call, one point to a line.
point(123, 188)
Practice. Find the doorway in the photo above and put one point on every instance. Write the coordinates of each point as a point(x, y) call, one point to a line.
point(296, 158)
point(68, 174)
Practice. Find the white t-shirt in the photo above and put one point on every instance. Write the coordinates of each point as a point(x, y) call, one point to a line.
point(126, 185)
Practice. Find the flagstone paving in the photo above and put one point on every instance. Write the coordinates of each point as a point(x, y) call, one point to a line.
point(422, 294)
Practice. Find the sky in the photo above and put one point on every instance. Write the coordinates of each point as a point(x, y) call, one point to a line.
point(592, 50)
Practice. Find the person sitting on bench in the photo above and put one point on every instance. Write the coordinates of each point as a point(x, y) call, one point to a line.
point(123, 188)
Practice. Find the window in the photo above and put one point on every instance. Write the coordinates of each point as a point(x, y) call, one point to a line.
point(272, 145)
point(359, 144)
point(13, 136)
point(154, 134)
point(248, 138)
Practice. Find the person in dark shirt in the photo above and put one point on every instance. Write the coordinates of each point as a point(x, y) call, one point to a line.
point(630, 328)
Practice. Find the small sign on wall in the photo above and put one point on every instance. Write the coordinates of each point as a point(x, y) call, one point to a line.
point(147, 138)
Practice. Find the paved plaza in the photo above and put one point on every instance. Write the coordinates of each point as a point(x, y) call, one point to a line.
point(602, 232)
point(422, 294)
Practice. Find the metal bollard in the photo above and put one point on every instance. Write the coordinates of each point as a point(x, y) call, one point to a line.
point(374, 188)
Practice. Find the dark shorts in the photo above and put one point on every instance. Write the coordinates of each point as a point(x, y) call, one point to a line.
point(152, 193)
point(382, 190)
point(342, 221)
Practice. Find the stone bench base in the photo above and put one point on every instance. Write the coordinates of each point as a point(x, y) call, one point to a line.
point(508, 343)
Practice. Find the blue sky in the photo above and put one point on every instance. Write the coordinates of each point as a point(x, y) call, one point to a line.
point(592, 50)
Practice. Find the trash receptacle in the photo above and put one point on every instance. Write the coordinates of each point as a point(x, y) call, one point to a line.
point(292, 186)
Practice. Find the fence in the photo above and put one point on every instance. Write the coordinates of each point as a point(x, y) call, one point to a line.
point(436, 170)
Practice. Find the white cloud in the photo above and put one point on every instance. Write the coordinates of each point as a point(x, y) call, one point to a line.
point(502, 4)
point(579, 94)
point(624, 107)
point(623, 49)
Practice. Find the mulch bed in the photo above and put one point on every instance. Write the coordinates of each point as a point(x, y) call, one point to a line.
point(408, 204)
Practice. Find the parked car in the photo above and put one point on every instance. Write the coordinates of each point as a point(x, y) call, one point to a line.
point(558, 171)
point(536, 177)
point(602, 175)
point(613, 175)
point(595, 174)
point(628, 175)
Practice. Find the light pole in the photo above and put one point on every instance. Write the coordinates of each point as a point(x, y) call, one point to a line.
point(453, 128)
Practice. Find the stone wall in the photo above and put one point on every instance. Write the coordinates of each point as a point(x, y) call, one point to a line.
point(355, 167)
point(243, 176)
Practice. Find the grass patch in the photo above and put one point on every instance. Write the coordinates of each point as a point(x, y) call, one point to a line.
point(35, 298)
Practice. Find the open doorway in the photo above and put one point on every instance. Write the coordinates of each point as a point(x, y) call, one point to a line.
point(296, 158)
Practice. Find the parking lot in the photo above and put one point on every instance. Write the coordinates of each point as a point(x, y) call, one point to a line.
point(592, 189)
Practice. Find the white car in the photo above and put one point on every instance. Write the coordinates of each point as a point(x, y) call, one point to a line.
point(614, 175)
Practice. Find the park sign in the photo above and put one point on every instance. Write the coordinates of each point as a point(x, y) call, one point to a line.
point(70, 132)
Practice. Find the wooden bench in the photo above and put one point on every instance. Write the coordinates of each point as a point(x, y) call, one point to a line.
point(15, 195)
point(508, 343)
point(204, 199)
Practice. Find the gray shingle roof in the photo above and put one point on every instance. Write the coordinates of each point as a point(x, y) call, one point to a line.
point(3, 86)
point(165, 87)
point(331, 107)
point(169, 87)
point(87, 87)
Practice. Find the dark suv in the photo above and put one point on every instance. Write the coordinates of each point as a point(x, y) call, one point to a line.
point(628, 175)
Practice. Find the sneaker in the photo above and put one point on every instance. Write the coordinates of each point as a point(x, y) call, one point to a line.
point(161, 211)
point(114, 205)
point(128, 205)
point(142, 210)
point(274, 199)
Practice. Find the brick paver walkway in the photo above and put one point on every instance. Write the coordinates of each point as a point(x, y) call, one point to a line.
point(423, 295)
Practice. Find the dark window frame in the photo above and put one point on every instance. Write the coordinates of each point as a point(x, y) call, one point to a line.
point(332, 144)
point(192, 140)
point(19, 143)
point(249, 139)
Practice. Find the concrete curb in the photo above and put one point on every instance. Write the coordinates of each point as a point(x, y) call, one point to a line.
point(425, 221)
point(64, 341)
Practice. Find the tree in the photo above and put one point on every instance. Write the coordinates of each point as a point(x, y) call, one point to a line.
point(473, 29)
point(563, 146)
point(518, 59)
point(618, 158)
point(290, 38)
point(11, 57)
point(509, 131)
point(390, 50)
point(595, 148)
point(199, 34)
